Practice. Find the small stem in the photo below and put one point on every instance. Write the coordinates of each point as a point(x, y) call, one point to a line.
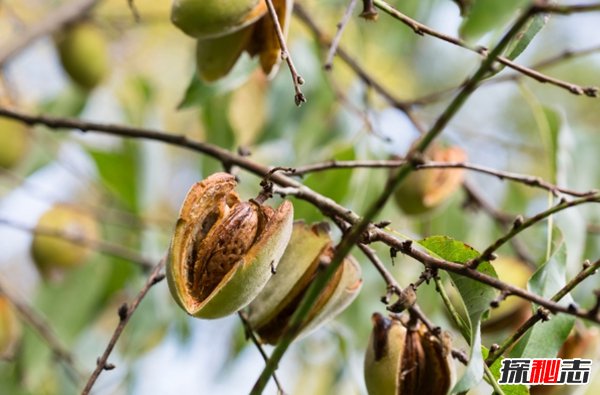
point(297, 79)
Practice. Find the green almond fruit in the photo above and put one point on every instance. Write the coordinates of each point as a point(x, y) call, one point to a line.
point(14, 142)
point(406, 360)
point(213, 18)
point(83, 52)
point(224, 250)
point(309, 251)
point(59, 238)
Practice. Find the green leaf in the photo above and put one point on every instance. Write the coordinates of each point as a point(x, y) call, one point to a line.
point(517, 389)
point(119, 171)
point(70, 102)
point(333, 184)
point(218, 130)
point(526, 35)
point(199, 92)
point(545, 339)
point(476, 298)
point(488, 15)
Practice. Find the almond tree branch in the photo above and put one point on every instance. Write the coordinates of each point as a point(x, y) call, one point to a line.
point(373, 234)
point(394, 287)
point(589, 269)
point(101, 246)
point(63, 16)
point(520, 224)
point(125, 312)
point(422, 29)
point(326, 205)
point(356, 231)
point(503, 220)
point(368, 79)
point(551, 61)
point(290, 186)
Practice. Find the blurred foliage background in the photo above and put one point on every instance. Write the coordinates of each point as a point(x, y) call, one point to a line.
point(134, 187)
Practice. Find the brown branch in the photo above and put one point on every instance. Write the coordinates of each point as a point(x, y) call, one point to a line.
point(297, 79)
point(464, 270)
point(101, 246)
point(321, 37)
point(545, 63)
point(531, 181)
point(125, 313)
point(43, 329)
point(503, 220)
point(394, 288)
point(360, 72)
point(589, 269)
point(422, 29)
point(121, 217)
point(338, 35)
point(520, 224)
point(134, 11)
point(327, 206)
point(57, 20)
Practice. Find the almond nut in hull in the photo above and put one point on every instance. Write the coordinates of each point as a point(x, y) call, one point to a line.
point(224, 250)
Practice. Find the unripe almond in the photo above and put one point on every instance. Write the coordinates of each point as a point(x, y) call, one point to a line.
point(309, 251)
point(406, 361)
point(214, 18)
point(59, 238)
point(83, 52)
point(11, 330)
point(14, 142)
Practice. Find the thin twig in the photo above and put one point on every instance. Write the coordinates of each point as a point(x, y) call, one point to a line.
point(587, 271)
point(125, 313)
point(463, 270)
point(338, 35)
point(328, 206)
point(134, 11)
point(290, 186)
point(250, 334)
point(305, 17)
point(393, 287)
point(60, 18)
point(520, 224)
point(101, 246)
point(504, 221)
point(364, 223)
point(531, 181)
point(422, 29)
point(43, 329)
point(297, 79)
